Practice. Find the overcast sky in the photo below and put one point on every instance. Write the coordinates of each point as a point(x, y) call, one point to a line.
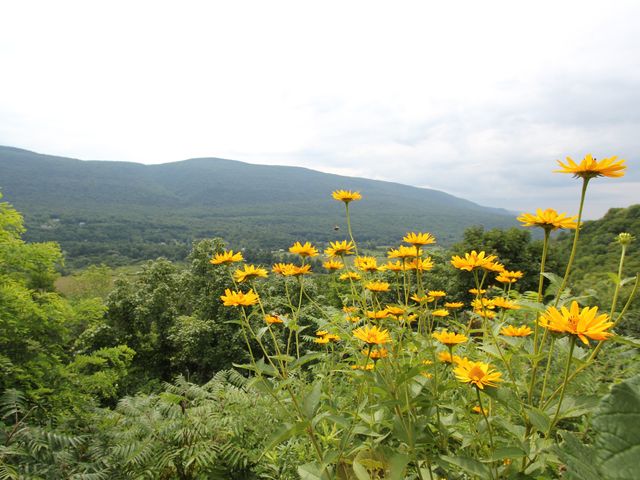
point(475, 98)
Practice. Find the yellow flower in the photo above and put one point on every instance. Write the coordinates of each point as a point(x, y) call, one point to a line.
point(291, 270)
point(394, 311)
point(332, 337)
point(377, 286)
point(583, 323)
point(350, 276)
point(482, 303)
point(249, 273)
point(440, 313)
point(421, 299)
point(306, 250)
point(239, 299)
point(372, 335)
point(392, 267)
point(419, 239)
point(271, 319)
point(226, 257)
point(322, 340)
point(454, 304)
point(509, 276)
point(421, 264)
point(402, 252)
point(548, 219)
point(494, 267)
point(475, 291)
point(437, 293)
point(332, 265)
point(511, 331)
point(472, 260)
point(624, 239)
point(338, 249)
point(449, 338)
point(479, 374)
point(484, 313)
point(477, 409)
point(376, 354)
point(346, 196)
point(366, 367)
point(321, 333)
point(589, 167)
point(504, 303)
point(352, 318)
point(446, 357)
point(378, 314)
point(347, 309)
point(366, 264)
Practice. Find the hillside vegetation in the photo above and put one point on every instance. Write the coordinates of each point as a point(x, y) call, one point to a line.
point(119, 212)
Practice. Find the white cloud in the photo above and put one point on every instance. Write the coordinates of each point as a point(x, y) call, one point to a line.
point(474, 98)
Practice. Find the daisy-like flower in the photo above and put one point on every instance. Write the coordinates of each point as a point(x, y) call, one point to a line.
point(366, 264)
point(421, 299)
point(376, 354)
point(352, 318)
point(419, 239)
point(446, 357)
point(249, 273)
point(239, 299)
point(348, 309)
point(377, 314)
point(392, 267)
point(394, 311)
point(475, 291)
point(477, 409)
point(440, 313)
point(346, 196)
point(306, 250)
point(454, 304)
point(509, 276)
point(225, 258)
point(377, 286)
point(504, 303)
point(271, 319)
point(449, 339)
point(484, 313)
point(511, 331)
point(372, 335)
point(322, 340)
point(333, 265)
point(624, 239)
point(548, 219)
point(584, 323)
point(402, 252)
point(437, 293)
point(494, 267)
point(338, 249)
point(472, 261)
point(350, 276)
point(479, 374)
point(420, 264)
point(482, 303)
point(589, 167)
point(282, 268)
point(370, 366)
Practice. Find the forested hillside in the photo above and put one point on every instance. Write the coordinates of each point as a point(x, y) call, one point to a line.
point(119, 212)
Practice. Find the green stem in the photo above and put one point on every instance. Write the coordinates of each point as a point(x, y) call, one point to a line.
point(486, 419)
point(355, 246)
point(617, 290)
point(574, 248)
point(564, 385)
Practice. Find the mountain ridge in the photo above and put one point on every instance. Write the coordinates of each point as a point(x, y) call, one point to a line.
point(258, 206)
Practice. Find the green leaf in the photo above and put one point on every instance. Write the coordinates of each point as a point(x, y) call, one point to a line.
point(616, 423)
point(505, 396)
point(310, 471)
point(507, 452)
point(615, 279)
point(631, 342)
point(312, 400)
point(360, 471)
point(539, 419)
point(577, 457)
point(285, 432)
point(469, 465)
point(398, 466)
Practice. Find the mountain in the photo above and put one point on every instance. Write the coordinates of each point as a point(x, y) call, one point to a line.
point(120, 211)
